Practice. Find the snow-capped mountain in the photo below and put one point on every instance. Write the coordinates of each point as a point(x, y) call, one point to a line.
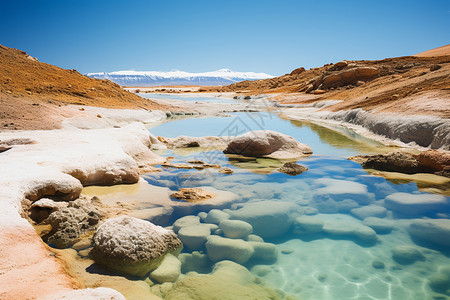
point(155, 78)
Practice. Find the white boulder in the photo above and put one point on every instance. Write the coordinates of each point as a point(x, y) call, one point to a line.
point(132, 246)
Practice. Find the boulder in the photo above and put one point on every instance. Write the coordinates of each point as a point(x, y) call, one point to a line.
point(132, 246)
point(41, 209)
point(70, 222)
point(235, 229)
point(369, 211)
point(228, 281)
point(194, 237)
point(415, 204)
point(254, 238)
point(268, 218)
point(440, 283)
point(346, 226)
point(216, 216)
point(267, 143)
point(195, 261)
point(219, 248)
point(264, 251)
point(168, 271)
point(185, 221)
point(308, 224)
point(292, 169)
point(339, 190)
point(406, 254)
point(379, 225)
point(434, 230)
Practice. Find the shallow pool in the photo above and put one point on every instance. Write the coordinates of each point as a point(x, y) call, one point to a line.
point(338, 232)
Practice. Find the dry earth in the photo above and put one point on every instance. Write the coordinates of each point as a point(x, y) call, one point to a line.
point(34, 95)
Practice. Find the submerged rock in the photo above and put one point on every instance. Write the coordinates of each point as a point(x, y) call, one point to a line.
point(369, 211)
point(216, 216)
point(228, 281)
point(405, 254)
point(194, 237)
point(168, 271)
point(219, 248)
point(292, 169)
point(132, 246)
point(267, 143)
point(185, 221)
point(192, 194)
point(268, 218)
point(379, 225)
point(432, 230)
point(235, 229)
point(415, 204)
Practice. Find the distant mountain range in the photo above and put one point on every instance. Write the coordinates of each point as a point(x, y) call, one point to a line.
point(156, 78)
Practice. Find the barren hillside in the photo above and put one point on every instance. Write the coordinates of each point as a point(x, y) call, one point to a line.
point(416, 85)
point(32, 91)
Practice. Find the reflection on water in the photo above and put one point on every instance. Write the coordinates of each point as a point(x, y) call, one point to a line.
point(332, 232)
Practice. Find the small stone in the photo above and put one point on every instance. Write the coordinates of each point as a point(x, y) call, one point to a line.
point(194, 237)
point(292, 169)
point(378, 264)
point(192, 194)
point(439, 283)
point(287, 251)
point(406, 254)
point(226, 171)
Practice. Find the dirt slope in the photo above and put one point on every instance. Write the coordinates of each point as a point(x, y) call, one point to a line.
point(440, 51)
point(31, 92)
point(416, 85)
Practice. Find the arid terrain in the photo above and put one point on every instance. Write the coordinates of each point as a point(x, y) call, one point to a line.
point(411, 85)
point(34, 95)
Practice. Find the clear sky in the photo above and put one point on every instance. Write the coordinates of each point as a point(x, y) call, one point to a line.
point(196, 36)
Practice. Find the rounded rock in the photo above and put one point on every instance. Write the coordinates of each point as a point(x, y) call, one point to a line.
point(132, 246)
point(235, 229)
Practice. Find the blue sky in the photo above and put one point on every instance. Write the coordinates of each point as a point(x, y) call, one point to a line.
point(195, 36)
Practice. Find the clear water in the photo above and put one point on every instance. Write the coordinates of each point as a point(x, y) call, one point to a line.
point(187, 97)
point(320, 265)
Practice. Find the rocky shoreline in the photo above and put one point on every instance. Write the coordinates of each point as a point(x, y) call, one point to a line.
point(115, 148)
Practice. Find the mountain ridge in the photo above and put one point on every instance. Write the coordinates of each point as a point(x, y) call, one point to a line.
point(176, 77)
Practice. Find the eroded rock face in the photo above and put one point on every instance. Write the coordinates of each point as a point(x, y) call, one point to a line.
point(69, 223)
point(267, 143)
point(391, 162)
point(132, 246)
point(346, 77)
point(430, 161)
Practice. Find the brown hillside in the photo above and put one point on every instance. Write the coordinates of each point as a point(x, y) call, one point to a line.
point(440, 51)
point(417, 85)
point(31, 90)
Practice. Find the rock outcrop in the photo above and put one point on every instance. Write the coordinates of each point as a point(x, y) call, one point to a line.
point(267, 143)
point(69, 223)
point(132, 246)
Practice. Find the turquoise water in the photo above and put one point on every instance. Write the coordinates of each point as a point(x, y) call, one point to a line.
point(187, 98)
point(345, 259)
